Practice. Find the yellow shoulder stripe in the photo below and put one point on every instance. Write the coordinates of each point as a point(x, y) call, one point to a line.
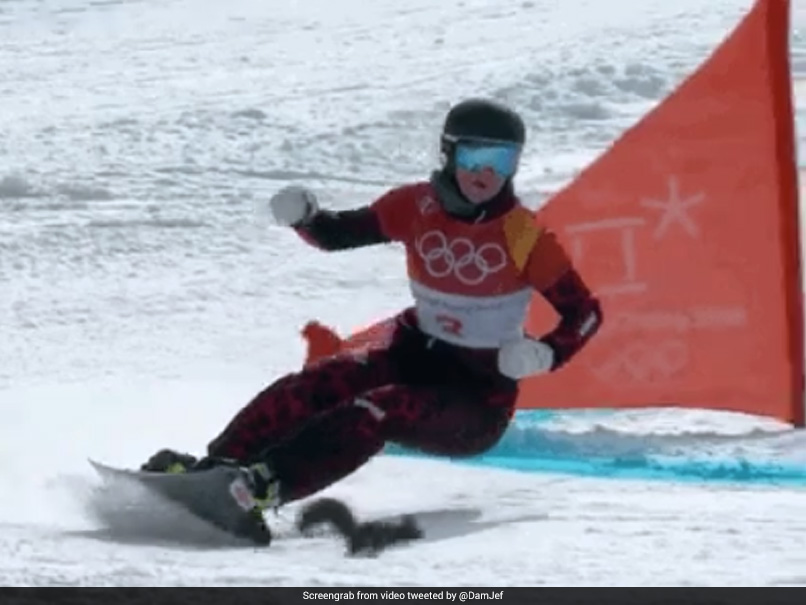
point(521, 233)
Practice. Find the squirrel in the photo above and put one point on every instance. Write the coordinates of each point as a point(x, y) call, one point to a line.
point(369, 537)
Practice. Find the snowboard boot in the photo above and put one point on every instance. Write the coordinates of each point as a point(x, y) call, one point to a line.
point(169, 461)
point(264, 486)
point(255, 491)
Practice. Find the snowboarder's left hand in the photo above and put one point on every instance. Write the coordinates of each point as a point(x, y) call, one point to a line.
point(525, 357)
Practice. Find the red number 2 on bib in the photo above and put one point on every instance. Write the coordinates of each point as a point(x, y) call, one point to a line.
point(450, 324)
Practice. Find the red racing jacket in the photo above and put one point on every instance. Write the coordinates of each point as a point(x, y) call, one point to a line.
point(471, 280)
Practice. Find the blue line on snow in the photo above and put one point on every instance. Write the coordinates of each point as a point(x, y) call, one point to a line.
point(528, 448)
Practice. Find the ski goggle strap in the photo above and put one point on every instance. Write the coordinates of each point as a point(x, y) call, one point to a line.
point(477, 155)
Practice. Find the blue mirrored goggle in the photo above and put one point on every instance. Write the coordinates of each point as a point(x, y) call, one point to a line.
point(476, 156)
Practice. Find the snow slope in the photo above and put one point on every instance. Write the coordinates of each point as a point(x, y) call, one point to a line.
point(144, 298)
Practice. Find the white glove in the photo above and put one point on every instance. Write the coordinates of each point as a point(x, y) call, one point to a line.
point(525, 357)
point(292, 205)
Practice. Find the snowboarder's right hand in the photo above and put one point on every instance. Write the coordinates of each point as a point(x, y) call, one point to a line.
point(293, 205)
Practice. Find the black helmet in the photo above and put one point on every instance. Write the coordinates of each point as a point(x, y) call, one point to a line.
point(481, 119)
point(473, 119)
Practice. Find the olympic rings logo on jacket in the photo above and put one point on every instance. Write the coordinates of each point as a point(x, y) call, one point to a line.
point(459, 257)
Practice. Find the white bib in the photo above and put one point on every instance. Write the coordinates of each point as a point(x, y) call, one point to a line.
point(477, 322)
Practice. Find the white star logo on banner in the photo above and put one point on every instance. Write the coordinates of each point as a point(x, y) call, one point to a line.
point(674, 209)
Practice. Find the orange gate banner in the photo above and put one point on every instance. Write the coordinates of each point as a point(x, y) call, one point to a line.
point(688, 230)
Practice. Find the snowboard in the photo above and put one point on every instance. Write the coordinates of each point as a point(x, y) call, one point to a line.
point(218, 496)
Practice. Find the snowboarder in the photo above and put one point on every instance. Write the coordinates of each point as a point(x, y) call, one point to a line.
point(445, 379)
